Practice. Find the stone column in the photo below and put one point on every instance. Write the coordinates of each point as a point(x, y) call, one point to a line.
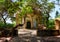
point(56, 25)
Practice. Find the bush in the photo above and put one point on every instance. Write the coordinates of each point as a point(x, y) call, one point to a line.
point(47, 32)
point(9, 25)
point(51, 24)
point(2, 25)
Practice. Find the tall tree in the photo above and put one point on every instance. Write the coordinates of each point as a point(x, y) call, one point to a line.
point(27, 6)
point(57, 13)
point(3, 12)
point(18, 7)
point(44, 6)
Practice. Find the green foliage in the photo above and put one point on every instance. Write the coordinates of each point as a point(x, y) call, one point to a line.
point(46, 7)
point(2, 0)
point(12, 8)
point(51, 24)
point(9, 25)
point(2, 25)
point(26, 6)
point(29, 9)
point(26, 10)
point(57, 15)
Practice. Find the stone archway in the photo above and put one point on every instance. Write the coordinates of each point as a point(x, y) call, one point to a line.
point(57, 23)
point(28, 25)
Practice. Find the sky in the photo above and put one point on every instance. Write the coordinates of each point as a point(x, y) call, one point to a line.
point(57, 8)
point(52, 14)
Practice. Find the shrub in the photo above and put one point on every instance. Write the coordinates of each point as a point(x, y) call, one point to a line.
point(51, 24)
point(2, 25)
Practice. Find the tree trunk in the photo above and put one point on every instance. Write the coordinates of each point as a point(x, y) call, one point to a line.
point(17, 19)
point(3, 19)
point(47, 20)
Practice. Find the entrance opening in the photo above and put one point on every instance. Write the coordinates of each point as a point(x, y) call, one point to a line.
point(28, 25)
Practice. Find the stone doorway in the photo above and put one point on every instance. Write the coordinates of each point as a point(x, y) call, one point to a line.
point(28, 25)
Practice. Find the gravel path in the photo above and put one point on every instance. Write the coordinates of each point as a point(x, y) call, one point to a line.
point(35, 39)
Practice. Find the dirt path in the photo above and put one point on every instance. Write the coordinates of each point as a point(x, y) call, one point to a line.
point(33, 38)
point(36, 39)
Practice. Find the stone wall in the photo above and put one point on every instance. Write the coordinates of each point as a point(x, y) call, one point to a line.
point(57, 23)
